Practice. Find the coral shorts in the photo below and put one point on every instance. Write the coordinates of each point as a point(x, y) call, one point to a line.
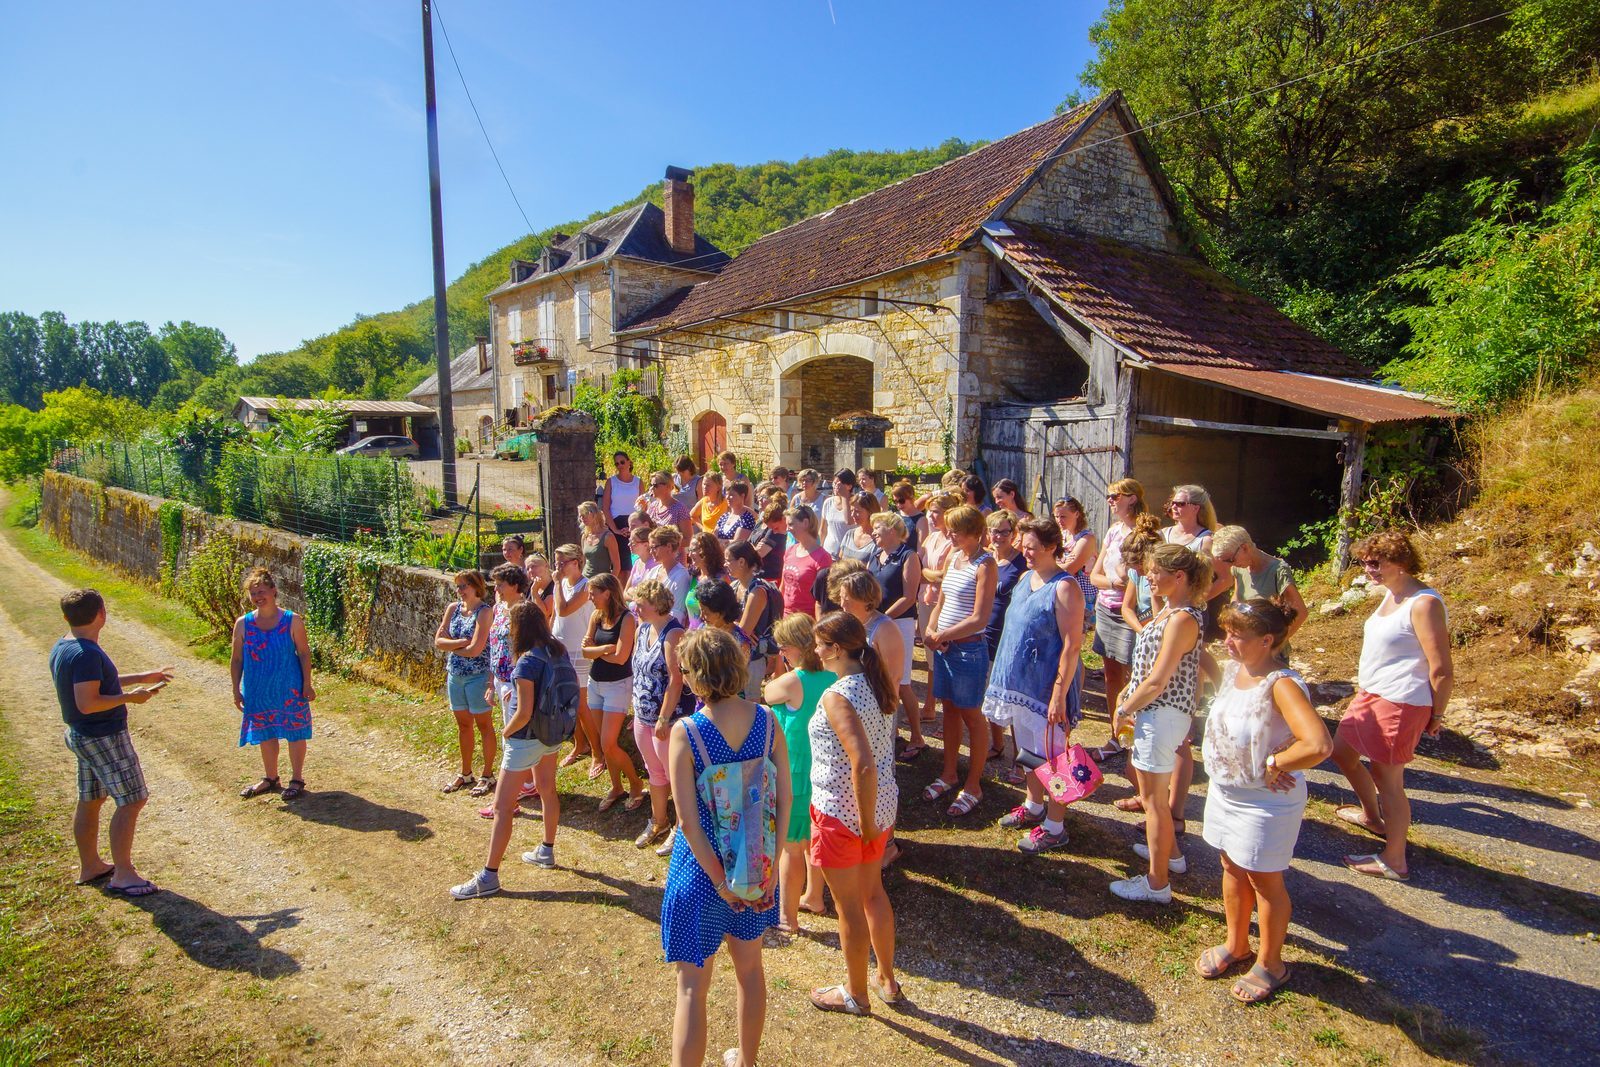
point(1383, 731)
point(834, 845)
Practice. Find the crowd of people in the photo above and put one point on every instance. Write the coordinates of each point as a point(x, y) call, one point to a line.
point(762, 636)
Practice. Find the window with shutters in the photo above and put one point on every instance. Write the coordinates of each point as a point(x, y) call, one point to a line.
point(514, 325)
point(581, 310)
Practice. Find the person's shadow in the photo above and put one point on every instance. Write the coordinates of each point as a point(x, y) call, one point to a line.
point(351, 812)
point(221, 942)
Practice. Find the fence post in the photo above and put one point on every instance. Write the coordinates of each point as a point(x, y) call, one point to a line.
point(477, 518)
point(127, 464)
point(161, 468)
point(144, 471)
point(394, 498)
point(294, 484)
point(338, 484)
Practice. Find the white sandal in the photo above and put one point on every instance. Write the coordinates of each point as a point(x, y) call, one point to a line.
point(849, 1005)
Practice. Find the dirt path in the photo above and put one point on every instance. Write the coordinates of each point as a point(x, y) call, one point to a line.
point(324, 925)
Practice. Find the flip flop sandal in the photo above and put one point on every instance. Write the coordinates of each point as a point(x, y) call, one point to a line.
point(846, 1003)
point(463, 781)
point(266, 785)
point(102, 876)
point(910, 753)
point(610, 802)
point(1258, 985)
point(1357, 817)
point(138, 889)
point(295, 790)
point(1017, 775)
point(1133, 804)
point(899, 996)
point(1106, 751)
point(596, 769)
point(636, 802)
point(1356, 863)
point(1216, 962)
point(937, 790)
point(814, 911)
point(963, 805)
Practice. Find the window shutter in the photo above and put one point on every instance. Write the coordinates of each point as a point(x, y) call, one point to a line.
point(514, 324)
point(580, 306)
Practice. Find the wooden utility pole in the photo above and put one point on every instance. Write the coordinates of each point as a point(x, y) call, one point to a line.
point(441, 311)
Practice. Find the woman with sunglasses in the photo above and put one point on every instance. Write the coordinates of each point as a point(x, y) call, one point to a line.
point(1402, 687)
point(463, 634)
point(620, 494)
point(1113, 637)
point(1193, 518)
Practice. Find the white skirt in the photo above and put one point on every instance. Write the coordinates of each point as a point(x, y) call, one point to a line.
point(1256, 827)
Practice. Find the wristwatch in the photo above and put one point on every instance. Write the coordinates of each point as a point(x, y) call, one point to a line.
point(1272, 762)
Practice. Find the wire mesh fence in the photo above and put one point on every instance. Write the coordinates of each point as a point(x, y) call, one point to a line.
point(385, 502)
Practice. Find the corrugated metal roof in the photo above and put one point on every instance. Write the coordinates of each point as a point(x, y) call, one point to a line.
point(1359, 401)
point(354, 407)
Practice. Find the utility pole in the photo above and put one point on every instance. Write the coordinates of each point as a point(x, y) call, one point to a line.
point(441, 312)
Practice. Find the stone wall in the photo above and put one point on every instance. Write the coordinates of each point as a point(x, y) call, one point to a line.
point(1104, 190)
point(122, 529)
point(831, 386)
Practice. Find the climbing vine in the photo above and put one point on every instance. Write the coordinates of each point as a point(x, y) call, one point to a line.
point(322, 571)
point(212, 583)
point(170, 517)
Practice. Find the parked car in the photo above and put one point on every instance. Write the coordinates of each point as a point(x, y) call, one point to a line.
point(404, 447)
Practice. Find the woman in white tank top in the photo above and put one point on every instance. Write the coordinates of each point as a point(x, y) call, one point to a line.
point(1402, 688)
point(620, 494)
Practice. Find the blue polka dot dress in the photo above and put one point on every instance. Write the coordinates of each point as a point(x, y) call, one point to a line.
point(694, 919)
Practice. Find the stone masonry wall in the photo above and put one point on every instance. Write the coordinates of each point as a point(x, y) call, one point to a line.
point(830, 386)
point(122, 529)
point(1103, 190)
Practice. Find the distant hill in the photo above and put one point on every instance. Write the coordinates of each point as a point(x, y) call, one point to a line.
point(734, 206)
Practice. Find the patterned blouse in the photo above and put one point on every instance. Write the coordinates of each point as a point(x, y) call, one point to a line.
point(1184, 686)
point(461, 627)
point(501, 661)
point(731, 522)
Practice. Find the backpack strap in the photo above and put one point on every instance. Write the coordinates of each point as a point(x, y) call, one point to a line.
point(696, 742)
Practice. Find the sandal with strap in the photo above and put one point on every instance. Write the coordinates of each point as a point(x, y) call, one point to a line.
point(1216, 962)
point(1258, 985)
point(295, 791)
point(266, 785)
point(462, 781)
point(484, 787)
point(820, 999)
point(1133, 804)
point(964, 803)
point(936, 790)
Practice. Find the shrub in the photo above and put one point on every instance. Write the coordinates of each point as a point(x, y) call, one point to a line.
point(211, 583)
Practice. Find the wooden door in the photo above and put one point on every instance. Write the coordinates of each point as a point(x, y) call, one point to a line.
point(713, 439)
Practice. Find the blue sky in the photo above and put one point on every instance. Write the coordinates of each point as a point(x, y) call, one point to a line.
point(261, 167)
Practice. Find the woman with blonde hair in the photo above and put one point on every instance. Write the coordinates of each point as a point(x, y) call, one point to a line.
point(1163, 687)
point(660, 698)
point(1113, 637)
point(463, 634)
point(712, 505)
point(608, 646)
point(854, 802)
point(899, 572)
point(802, 562)
point(1078, 551)
point(933, 553)
point(1193, 518)
point(960, 657)
point(700, 912)
point(600, 553)
point(571, 608)
point(1403, 685)
point(857, 541)
point(271, 669)
point(795, 696)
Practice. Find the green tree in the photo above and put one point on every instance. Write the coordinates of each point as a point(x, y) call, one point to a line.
point(21, 375)
point(203, 350)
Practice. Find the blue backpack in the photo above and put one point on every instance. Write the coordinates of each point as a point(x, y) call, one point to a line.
point(555, 707)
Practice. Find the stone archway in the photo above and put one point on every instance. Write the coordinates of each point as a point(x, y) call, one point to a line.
point(816, 392)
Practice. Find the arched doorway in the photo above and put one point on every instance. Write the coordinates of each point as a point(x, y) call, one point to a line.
point(829, 386)
point(711, 435)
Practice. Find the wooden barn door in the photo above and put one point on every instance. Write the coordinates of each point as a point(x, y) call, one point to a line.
point(713, 439)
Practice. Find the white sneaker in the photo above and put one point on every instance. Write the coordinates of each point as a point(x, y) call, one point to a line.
point(482, 884)
point(1175, 864)
point(1139, 889)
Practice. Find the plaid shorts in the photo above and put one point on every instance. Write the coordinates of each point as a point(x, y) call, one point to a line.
point(107, 767)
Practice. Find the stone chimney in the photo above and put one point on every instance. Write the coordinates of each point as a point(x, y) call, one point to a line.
point(677, 201)
point(483, 353)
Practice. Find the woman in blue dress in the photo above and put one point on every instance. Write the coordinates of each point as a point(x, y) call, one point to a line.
point(699, 913)
point(272, 684)
point(1036, 662)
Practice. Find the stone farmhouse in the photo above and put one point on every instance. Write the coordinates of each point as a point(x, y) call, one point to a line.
point(471, 394)
point(1032, 310)
point(552, 322)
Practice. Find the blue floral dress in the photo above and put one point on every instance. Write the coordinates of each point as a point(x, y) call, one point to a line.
point(694, 919)
point(1025, 668)
point(274, 704)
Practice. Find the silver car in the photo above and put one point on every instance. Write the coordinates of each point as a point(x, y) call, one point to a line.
point(403, 447)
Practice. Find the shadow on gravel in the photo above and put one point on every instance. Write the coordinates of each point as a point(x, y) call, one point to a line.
point(1005, 1050)
point(221, 942)
point(351, 812)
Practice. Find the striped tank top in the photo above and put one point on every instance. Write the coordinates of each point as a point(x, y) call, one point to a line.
point(960, 590)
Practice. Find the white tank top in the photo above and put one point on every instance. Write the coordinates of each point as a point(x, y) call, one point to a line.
point(1393, 665)
point(623, 496)
point(571, 630)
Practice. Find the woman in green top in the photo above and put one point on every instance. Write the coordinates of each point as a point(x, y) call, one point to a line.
point(794, 696)
point(600, 554)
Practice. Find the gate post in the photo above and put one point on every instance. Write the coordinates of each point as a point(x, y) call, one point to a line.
point(566, 469)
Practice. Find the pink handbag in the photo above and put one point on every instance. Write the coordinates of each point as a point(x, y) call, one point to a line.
point(1068, 776)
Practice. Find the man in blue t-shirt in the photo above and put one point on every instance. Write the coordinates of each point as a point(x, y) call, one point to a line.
point(95, 709)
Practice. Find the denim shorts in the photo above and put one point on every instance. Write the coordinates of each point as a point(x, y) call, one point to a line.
point(961, 672)
point(469, 692)
point(519, 754)
point(1158, 735)
point(613, 698)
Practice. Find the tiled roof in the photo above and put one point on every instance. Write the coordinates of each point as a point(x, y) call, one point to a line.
point(922, 217)
point(638, 232)
point(464, 377)
point(1188, 319)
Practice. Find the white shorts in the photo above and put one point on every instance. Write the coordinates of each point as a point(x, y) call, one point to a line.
point(613, 698)
point(908, 637)
point(580, 667)
point(1157, 735)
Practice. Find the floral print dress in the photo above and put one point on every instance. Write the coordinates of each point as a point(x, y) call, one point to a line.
point(275, 706)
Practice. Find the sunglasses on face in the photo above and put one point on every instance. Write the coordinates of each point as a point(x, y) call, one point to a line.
point(1176, 504)
point(1371, 564)
point(1112, 498)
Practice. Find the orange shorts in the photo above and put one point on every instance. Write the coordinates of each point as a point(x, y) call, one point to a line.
point(834, 845)
point(1383, 731)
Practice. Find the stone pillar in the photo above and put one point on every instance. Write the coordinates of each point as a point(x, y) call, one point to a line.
point(853, 433)
point(566, 471)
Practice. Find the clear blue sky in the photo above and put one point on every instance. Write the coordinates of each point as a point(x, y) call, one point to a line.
point(261, 167)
